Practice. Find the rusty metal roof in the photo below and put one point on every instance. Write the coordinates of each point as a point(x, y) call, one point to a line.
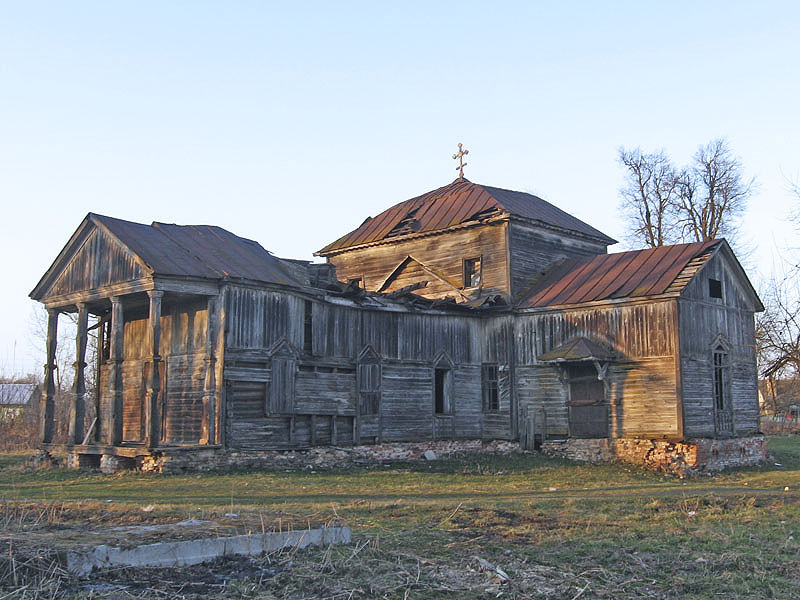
point(456, 203)
point(197, 251)
point(621, 275)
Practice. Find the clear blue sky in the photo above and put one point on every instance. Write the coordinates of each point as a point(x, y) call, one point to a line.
point(289, 123)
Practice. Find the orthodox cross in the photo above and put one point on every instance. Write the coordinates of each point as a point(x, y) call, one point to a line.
point(461, 164)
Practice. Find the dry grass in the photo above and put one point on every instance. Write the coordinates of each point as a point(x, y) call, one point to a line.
point(478, 527)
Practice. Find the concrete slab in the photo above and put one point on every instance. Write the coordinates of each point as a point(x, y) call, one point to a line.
point(196, 551)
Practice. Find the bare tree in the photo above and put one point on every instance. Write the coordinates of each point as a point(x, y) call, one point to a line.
point(778, 331)
point(649, 197)
point(665, 204)
point(713, 194)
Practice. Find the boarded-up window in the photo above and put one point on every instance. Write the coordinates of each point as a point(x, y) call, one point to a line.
point(369, 388)
point(280, 399)
point(491, 390)
point(308, 327)
point(588, 410)
point(443, 391)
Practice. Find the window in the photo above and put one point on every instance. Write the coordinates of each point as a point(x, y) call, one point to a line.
point(715, 288)
point(355, 282)
point(491, 391)
point(280, 397)
point(308, 327)
point(472, 272)
point(369, 388)
point(720, 364)
point(442, 391)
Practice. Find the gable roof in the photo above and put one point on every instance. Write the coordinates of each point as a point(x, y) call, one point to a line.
point(631, 274)
point(162, 249)
point(17, 393)
point(457, 203)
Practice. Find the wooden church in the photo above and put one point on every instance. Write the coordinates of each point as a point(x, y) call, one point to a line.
point(467, 313)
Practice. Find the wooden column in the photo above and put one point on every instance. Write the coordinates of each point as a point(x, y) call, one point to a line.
point(210, 400)
point(152, 408)
point(78, 406)
point(113, 429)
point(49, 389)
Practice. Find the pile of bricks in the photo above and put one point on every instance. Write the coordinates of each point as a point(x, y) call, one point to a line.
point(690, 457)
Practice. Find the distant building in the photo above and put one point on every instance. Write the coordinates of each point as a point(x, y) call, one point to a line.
point(16, 398)
point(469, 312)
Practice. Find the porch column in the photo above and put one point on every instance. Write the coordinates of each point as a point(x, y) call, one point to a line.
point(210, 403)
point(152, 416)
point(49, 391)
point(114, 418)
point(78, 406)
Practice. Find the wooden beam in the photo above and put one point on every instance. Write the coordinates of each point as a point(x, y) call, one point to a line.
point(114, 428)
point(210, 400)
point(152, 408)
point(49, 388)
point(78, 405)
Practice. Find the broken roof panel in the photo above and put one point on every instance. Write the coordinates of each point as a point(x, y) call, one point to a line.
point(621, 275)
point(577, 349)
point(459, 202)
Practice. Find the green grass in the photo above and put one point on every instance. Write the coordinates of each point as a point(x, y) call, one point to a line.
point(558, 529)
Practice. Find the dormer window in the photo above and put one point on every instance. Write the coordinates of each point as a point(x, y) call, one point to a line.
point(715, 288)
point(472, 272)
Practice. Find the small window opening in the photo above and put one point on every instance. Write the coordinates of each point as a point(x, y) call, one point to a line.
point(715, 288)
point(472, 272)
point(308, 327)
point(355, 282)
point(491, 391)
point(442, 385)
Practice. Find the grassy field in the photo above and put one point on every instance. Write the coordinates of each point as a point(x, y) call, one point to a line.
point(520, 526)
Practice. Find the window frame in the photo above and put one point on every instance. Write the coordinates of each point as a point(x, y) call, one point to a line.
point(475, 270)
point(443, 390)
point(490, 386)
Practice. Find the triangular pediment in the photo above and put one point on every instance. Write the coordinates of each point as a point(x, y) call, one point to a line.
point(93, 259)
point(410, 272)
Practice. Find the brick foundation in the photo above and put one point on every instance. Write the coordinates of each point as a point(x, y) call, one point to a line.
point(690, 457)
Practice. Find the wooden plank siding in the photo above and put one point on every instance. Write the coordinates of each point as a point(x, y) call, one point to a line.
point(533, 250)
point(441, 253)
point(703, 321)
point(183, 368)
point(100, 261)
point(641, 384)
point(407, 344)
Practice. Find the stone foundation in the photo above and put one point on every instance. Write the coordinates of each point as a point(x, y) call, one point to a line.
point(114, 464)
point(317, 457)
point(690, 457)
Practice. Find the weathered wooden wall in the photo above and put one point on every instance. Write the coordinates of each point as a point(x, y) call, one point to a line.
point(443, 254)
point(100, 261)
point(183, 351)
point(702, 321)
point(641, 385)
point(533, 250)
point(406, 345)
